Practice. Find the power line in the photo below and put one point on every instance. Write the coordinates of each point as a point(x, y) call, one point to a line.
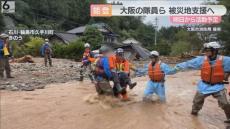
point(156, 26)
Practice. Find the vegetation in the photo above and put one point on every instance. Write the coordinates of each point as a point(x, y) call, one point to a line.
point(72, 51)
point(64, 15)
point(93, 36)
point(180, 47)
point(224, 35)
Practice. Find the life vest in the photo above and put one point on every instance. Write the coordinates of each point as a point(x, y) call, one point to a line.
point(5, 51)
point(112, 60)
point(122, 66)
point(99, 69)
point(155, 72)
point(88, 56)
point(212, 74)
point(47, 50)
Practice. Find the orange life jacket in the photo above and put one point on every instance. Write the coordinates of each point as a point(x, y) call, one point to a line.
point(122, 65)
point(112, 60)
point(212, 74)
point(155, 72)
point(88, 56)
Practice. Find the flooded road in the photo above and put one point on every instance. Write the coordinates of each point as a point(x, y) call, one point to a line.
point(75, 105)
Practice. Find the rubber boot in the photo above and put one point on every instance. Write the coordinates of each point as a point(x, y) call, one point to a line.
point(81, 78)
point(91, 77)
point(132, 85)
point(194, 113)
point(10, 77)
point(1, 76)
point(50, 63)
point(227, 121)
point(119, 88)
point(125, 97)
point(81, 75)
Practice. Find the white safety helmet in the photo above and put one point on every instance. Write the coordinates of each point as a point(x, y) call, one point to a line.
point(3, 35)
point(96, 55)
point(46, 40)
point(104, 49)
point(120, 50)
point(87, 45)
point(214, 45)
point(154, 54)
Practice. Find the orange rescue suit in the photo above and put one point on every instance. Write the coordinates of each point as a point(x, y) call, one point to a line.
point(155, 72)
point(212, 74)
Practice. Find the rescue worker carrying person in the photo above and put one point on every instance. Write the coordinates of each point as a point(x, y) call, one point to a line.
point(103, 70)
point(122, 67)
point(87, 60)
point(213, 68)
point(156, 71)
point(5, 53)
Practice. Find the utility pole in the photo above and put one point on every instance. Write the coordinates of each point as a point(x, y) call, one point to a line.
point(156, 27)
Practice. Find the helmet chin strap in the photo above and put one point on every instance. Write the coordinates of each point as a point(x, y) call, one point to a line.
point(214, 55)
point(156, 60)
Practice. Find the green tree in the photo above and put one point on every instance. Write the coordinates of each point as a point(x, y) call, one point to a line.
point(180, 47)
point(2, 25)
point(72, 51)
point(93, 36)
point(224, 34)
point(169, 33)
point(33, 46)
point(163, 47)
point(191, 38)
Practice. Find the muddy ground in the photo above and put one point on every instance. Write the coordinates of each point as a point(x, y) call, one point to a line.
point(32, 76)
point(75, 105)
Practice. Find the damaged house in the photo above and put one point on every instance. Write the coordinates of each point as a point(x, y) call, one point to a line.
point(66, 37)
point(132, 47)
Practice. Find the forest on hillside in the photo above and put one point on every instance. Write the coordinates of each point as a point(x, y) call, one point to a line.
point(64, 15)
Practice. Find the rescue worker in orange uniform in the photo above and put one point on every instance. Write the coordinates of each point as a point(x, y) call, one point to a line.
point(105, 68)
point(87, 60)
point(213, 68)
point(122, 67)
point(156, 71)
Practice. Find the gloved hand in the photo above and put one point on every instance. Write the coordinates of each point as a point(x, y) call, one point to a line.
point(177, 68)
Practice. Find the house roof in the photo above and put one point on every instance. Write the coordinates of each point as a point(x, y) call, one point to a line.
point(142, 52)
point(102, 27)
point(130, 40)
point(66, 37)
point(77, 30)
point(114, 45)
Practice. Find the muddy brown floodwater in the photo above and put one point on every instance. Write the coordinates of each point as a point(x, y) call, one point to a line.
point(75, 105)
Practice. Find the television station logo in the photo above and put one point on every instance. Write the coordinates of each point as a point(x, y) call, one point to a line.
point(7, 6)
